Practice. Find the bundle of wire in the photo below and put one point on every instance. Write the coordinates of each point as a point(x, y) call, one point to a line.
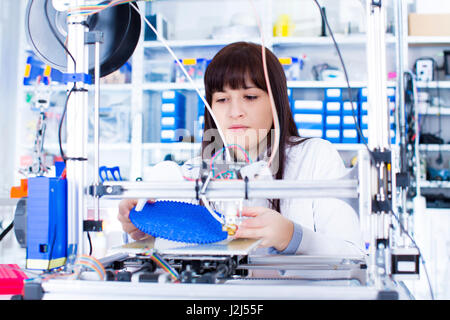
point(163, 264)
point(96, 8)
point(227, 174)
point(90, 263)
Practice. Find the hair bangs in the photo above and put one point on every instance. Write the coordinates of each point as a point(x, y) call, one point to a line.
point(234, 69)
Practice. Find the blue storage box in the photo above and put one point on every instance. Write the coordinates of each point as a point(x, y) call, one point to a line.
point(333, 94)
point(307, 106)
point(172, 122)
point(333, 107)
point(308, 130)
point(292, 67)
point(350, 135)
point(195, 68)
point(333, 134)
point(362, 94)
point(173, 103)
point(168, 135)
point(350, 107)
point(309, 117)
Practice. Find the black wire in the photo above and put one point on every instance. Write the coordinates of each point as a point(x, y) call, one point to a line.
point(6, 231)
point(61, 122)
point(90, 243)
point(50, 255)
point(56, 35)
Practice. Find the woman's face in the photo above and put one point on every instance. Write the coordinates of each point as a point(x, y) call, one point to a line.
point(244, 115)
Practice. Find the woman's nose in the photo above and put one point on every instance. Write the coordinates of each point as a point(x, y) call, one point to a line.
point(236, 110)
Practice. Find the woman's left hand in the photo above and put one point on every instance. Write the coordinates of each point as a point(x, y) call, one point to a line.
point(266, 224)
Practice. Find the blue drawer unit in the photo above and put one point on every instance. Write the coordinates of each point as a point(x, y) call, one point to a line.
point(173, 115)
point(46, 223)
point(309, 117)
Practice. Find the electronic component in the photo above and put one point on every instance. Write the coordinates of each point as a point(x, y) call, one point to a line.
point(425, 69)
point(405, 263)
point(447, 63)
point(46, 223)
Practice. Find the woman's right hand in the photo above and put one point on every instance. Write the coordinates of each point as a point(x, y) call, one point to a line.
point(125, 207)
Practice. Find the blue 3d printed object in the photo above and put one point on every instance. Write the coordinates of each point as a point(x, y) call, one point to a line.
point(178, 221)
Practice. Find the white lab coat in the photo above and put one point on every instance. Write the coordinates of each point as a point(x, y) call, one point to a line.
point(330, 226)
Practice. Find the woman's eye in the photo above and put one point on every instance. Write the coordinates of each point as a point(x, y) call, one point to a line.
point(248, 97)
point(220, 100)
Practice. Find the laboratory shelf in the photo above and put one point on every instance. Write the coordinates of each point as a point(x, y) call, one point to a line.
point(433, 84)
point(182, 44)
point(445, 111)
point(330, 84)
point(433, 40)
point(276, 41)
point(435, 147)
point(183, 146)
point(437, 210)
point(349, 146)
point(320, 41)
point(62, 87)
point(434, 184)
point(121, 146)
point(160, 86)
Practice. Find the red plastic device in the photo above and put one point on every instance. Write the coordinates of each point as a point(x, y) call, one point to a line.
point(11, 279)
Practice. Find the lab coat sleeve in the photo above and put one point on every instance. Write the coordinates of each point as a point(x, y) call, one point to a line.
point(336, 225)
point(337, 232)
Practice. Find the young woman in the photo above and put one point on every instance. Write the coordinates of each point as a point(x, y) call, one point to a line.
point(236, 90)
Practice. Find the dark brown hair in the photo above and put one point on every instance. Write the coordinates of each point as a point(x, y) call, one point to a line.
point(230, 67)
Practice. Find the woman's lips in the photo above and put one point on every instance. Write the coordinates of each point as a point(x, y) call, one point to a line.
point(237, 128)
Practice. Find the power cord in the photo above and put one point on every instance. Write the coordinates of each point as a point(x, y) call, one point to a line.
point(6, 230)
point(61, 123)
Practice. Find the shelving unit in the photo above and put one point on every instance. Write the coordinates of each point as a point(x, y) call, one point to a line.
point(142, 148)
